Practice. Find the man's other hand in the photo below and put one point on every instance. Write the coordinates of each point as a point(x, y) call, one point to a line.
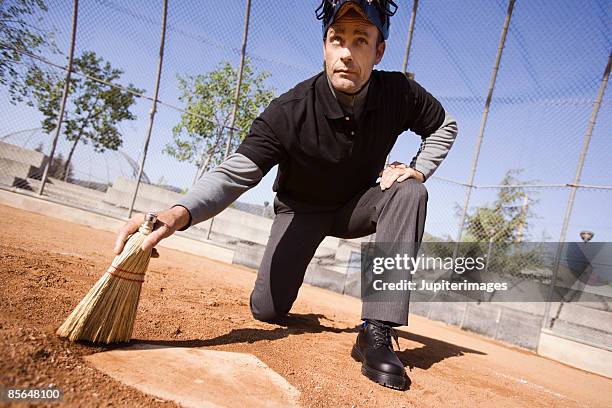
point(168, 222)
point(399, 172)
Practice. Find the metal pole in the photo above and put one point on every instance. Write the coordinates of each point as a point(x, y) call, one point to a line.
point(415, 5)
point(60, 118)
point(153, 108)
point(483, 122)
point(228, 146)
point(245, 36)
point(572, 195)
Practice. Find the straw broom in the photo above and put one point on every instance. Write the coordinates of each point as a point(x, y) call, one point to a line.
point(108, 311)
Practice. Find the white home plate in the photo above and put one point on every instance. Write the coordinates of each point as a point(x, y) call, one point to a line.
point(197, 378)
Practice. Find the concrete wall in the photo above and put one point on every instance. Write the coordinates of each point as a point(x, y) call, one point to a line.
point(12, 171)
point(230, 224)
point(148, 191)
point(576, 353)
point(21, 155)
point(17, 163)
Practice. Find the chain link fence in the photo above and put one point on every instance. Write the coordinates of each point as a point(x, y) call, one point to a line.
point(531, 165)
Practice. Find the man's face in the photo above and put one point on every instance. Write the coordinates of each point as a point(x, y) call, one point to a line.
point(351, 51)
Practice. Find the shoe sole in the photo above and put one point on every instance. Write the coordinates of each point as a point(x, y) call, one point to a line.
point(385, 379)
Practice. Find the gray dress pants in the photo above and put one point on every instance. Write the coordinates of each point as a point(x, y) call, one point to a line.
point(396, 215)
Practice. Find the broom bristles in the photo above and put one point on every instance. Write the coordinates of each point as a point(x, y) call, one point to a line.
point(108, 312)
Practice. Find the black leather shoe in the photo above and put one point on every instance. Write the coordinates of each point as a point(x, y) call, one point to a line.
point(374, 350)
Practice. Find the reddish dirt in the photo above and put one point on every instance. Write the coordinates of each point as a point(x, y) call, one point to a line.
point(47, 265)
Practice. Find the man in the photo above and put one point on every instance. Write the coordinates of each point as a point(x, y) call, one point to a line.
point(330, 136)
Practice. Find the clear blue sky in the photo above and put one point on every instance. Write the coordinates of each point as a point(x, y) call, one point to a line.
point(551, 69)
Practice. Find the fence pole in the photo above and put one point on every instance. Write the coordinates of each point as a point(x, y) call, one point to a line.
point(574, 188)
point(245, 36)
point(415, 5)
point(483, 122)
point(153, 107)
point(60, 118)
point(228, 146)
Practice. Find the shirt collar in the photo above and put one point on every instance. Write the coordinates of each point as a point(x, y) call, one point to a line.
point(352, 101)
point(330, 105)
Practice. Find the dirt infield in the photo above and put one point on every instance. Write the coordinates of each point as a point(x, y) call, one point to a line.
point(47, 265)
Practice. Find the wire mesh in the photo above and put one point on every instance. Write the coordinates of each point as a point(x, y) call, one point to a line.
point(551, 69)
point(542, 100)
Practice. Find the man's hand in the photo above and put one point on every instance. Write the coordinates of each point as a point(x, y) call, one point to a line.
point(399, 172)
point(168, 221)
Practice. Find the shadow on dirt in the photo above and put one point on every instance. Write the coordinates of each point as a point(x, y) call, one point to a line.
point(433, 351)
point(293, 324)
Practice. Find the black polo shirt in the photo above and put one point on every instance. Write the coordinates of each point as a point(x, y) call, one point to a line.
point(325, 156)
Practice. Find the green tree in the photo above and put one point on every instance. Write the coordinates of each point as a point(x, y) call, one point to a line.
point(95, 109)
point(201, 135)
point(507, 219)
point(18, 34)
point(496, 229)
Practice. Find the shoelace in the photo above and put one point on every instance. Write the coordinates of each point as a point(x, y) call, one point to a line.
point(383, 335)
